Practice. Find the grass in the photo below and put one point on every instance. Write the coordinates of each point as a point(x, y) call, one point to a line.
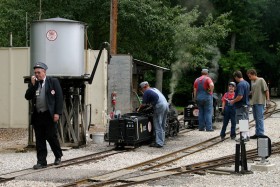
point(180, 109)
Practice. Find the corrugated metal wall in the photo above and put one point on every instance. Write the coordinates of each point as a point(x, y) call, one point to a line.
point(15, 64)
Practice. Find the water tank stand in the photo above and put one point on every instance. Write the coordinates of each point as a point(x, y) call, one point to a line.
point(72, 124)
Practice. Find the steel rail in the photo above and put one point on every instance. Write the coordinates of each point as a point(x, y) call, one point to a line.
point(199, 168)
point(83, 159)
point(155, 163)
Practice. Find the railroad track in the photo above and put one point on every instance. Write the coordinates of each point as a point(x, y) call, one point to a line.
point(132, 177)
point(83, 159)
point(145, 166)
point(75, 161)
point(199, 168)
point(165, 159)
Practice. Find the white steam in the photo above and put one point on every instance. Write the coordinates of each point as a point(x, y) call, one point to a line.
point(214, 67)
point(179, 67)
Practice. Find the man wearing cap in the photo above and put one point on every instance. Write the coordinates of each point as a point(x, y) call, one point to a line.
point(260, 97)
point(203, 94)
point(154, 97)
point(228, 111)
point(47, 104)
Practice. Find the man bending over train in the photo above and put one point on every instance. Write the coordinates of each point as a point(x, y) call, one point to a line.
point(160, 106)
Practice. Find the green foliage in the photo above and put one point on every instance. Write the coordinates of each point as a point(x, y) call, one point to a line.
point(163, 33)
point(194, 41)
point(145, 30)
point(235, 60)
point(13, 20)
point(196, 44)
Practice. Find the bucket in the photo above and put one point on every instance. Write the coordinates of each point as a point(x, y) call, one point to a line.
point(97, 137)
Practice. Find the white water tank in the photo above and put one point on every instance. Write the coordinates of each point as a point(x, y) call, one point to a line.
point(59, 43)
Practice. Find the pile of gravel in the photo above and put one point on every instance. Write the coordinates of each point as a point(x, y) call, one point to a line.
point(12, 160)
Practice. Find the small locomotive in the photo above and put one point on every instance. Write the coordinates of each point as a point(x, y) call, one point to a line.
point(191, 112)
point(133, 129)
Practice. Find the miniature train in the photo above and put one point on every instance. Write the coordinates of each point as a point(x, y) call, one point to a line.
point(134, 129)
point(191, 112)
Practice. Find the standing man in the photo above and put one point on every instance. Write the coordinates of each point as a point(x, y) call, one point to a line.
point(260, 97)
point(154, 97)
point(47, 105)
point(203, 94)
point(241, 101)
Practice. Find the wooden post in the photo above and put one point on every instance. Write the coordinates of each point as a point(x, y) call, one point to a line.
point(113, 26)
point(159, 76)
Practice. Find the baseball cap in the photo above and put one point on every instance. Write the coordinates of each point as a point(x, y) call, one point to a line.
point(142, 84)
point(204, 70)
point(232, 84)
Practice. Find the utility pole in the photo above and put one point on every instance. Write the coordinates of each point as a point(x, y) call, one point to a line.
point(113, 26)
point(40, 11)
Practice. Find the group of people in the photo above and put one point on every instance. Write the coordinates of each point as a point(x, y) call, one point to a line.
point(47, 104)
point(47, 101)
point(235, 103)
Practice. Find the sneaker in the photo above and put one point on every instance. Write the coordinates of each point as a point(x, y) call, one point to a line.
point(211, 130)
point(254, 136)
point(233, 137)
point(201, 129)
point(223, 138)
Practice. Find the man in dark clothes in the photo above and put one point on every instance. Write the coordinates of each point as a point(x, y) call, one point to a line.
point(47, 104)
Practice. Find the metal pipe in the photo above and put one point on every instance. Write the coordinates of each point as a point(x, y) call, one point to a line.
point(103, 46)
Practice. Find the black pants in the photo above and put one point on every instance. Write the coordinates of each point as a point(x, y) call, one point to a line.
point(46, 130)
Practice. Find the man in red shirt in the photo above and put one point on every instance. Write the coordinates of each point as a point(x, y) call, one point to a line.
point(203, 94)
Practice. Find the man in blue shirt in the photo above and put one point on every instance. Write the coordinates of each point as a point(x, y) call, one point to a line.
point(241, 101)
point(154, 97)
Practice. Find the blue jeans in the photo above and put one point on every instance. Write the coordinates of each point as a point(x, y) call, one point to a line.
point(258, 110)
point(241, 113)
point(229, 115)
point(205, 107)
point(159, 121)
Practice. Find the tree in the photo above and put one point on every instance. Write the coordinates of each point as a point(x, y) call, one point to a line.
point(13, 20)
point(249, 38)
point(196, 45)
point(145, 30)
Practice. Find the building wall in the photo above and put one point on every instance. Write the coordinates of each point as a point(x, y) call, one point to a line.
point(96, 93)
point(15, 64)
point(120, 81)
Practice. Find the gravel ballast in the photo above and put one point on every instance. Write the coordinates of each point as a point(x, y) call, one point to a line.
point(13, 157)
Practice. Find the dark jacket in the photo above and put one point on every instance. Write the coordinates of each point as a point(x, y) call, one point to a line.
point(54, 95)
